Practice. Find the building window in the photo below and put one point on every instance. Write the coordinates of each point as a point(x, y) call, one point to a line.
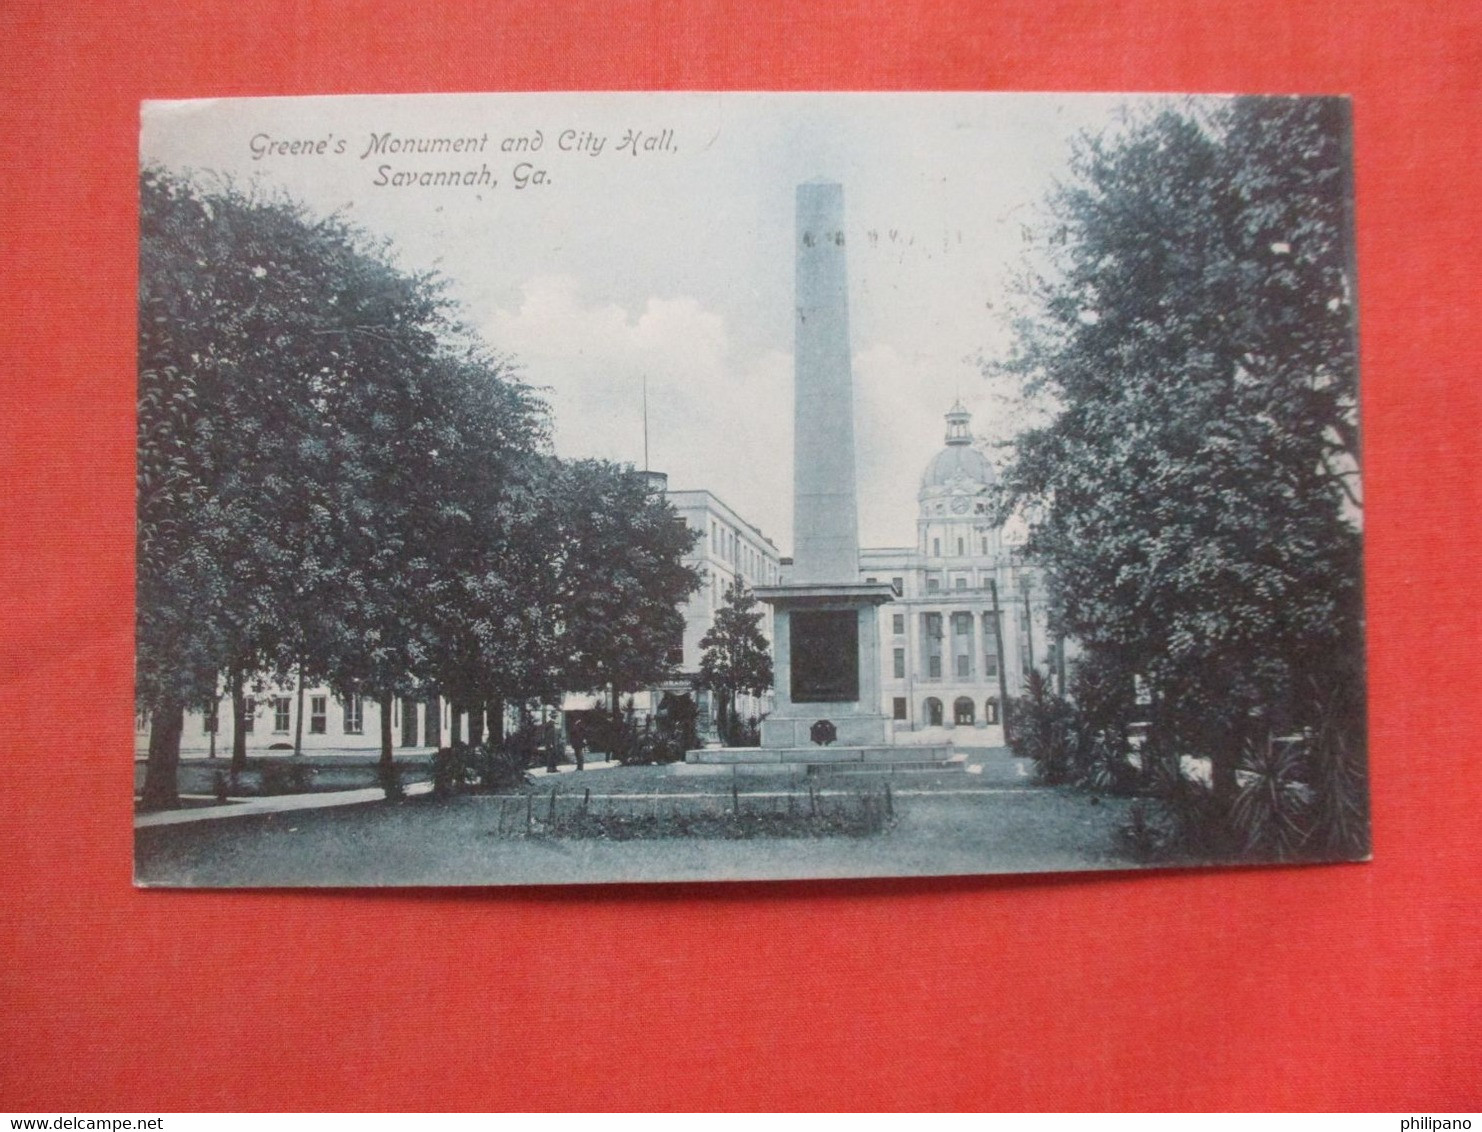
point(898, 624)
point(933, 585)
point(872, 581)
point(931, 644)
point(961, 548)
point(281, 715)
point(249, 715)
point(959, 583)
point(898, 706)
point(962, 712)
point(900, 664)
point(354, 716)
point(936, 548)
point(899, 585)
point(990, 666)
point(964, 666)
point(318, 715)
point(985, 544)
point(990, 711)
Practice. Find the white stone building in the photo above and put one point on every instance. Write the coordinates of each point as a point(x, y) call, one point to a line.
point(946, 666)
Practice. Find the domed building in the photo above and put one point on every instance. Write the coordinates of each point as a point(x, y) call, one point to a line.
point(947, 664)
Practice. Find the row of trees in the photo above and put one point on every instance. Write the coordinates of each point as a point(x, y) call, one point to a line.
point(339, 483)
point(1190, 326)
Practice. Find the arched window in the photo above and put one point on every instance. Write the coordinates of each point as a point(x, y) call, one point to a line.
point(933, 712)
point(962, 712)
point(990, 711)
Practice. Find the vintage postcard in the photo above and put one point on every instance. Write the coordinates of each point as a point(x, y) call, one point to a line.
point(588, 488)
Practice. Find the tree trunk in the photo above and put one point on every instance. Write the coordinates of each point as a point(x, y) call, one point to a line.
point(476, 723)
point(455, 736)
point(1222, 769)
point(387, 699)
point(161, 770)
point(298, 724)
point(617, 711)
point(496, 720)
point(239, 720)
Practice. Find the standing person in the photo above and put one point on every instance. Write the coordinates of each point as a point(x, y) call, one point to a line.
point(553, 746)
point(578, 742)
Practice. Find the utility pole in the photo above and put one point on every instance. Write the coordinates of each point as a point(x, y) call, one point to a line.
point(298, 723)
point(1024, 584)
point(1003, 683)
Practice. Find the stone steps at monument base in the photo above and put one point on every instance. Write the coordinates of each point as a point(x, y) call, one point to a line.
point(842, 770)
point(812, 770)
point(821, 756)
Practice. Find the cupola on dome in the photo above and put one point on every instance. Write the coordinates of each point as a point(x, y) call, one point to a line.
point(959, 463)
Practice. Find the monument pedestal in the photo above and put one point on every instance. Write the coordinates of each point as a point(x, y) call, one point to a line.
point(826, 670)
point(826, 667)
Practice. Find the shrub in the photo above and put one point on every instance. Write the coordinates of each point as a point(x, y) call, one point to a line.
point(743, 732)
point(286, 778)
point(1272, 811)
point(1180, 820)
point(1047, 731)
point(460, 767)
point(498, 769)
point(389, 776)
point(648, 745)
point(450, 766)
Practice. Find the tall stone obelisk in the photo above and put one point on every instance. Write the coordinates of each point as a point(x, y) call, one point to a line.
point(826, 622)
point(825, 511)
point(825, 626)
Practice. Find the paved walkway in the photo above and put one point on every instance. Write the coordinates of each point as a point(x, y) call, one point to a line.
point(281, 803)
point(570, 768)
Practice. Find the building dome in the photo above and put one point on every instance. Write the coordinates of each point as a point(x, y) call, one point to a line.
point(958, 462)
point(958, 467)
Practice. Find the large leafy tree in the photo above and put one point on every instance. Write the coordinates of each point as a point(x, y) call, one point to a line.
point(318, 442)
point(495, 622)
point(615, 549)
point(1191, 330)
point(735, 657)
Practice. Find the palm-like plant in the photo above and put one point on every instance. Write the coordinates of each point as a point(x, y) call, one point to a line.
point(1273, 808)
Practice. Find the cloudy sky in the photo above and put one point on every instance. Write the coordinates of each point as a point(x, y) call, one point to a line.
point(670, 261)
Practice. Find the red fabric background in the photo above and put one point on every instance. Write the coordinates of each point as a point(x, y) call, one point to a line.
point(1351, 986)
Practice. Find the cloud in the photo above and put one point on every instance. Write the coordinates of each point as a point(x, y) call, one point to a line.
point(716, 419)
